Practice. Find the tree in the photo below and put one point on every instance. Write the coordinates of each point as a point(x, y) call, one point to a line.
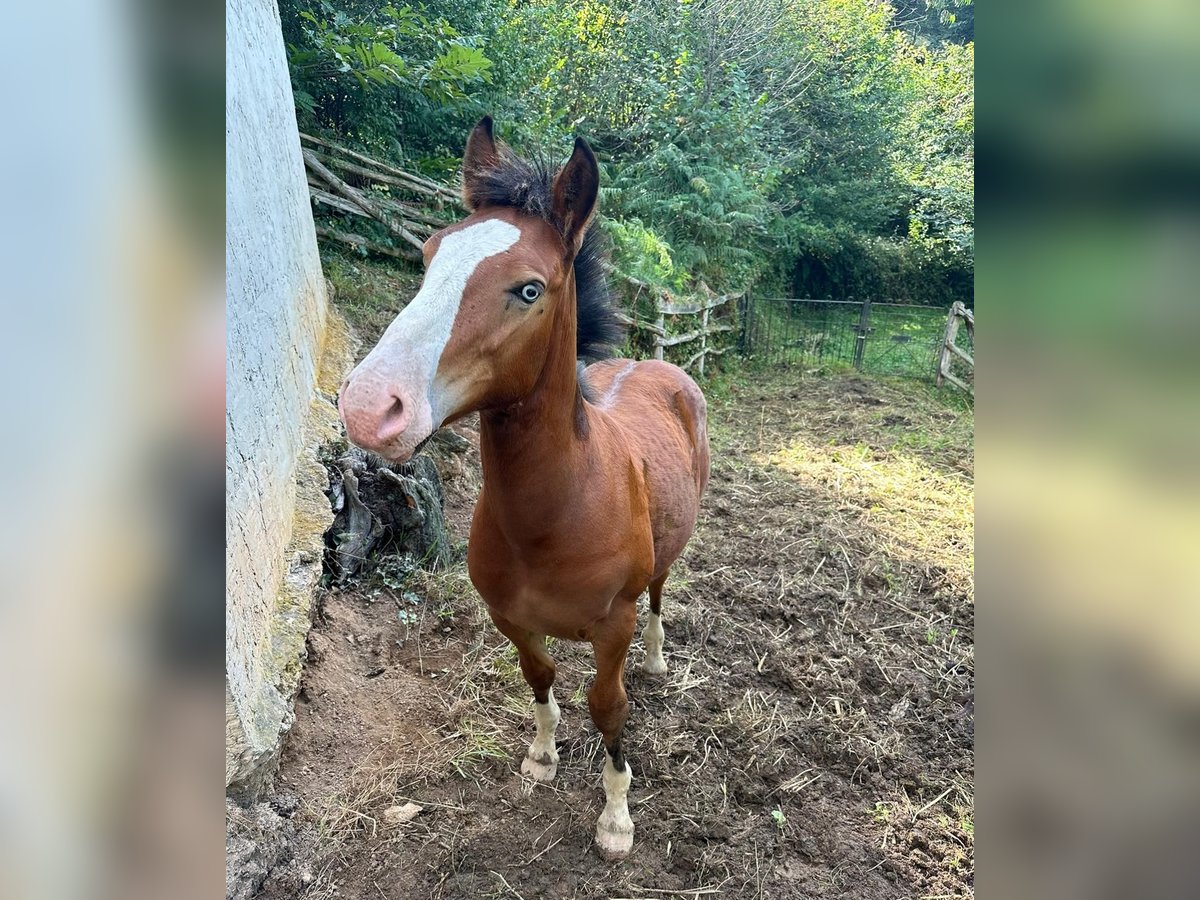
point(821, 146)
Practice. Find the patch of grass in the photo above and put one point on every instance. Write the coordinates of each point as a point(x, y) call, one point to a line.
point(918, 512)
point(450, 588)
point(480, 742)
point(720, 385)
point(376, 784)
point(967, 824)
point(938, 423)
point(369, 292)
point(847, 408)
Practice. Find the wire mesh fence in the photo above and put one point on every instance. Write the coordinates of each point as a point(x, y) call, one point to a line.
point(880, 338)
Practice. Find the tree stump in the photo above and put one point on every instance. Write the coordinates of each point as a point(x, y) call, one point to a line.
point(382, 508)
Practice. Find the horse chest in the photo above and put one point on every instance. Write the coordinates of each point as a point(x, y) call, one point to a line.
point(556, 594)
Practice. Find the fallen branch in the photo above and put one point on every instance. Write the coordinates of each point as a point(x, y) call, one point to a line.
point(335, 202)
point(439, 189)
point(642, 325)
point(414, 214)
point(402, 183)
point(359, 242)
point(406, 214)
point(356, 196)
point(692, 335)
point(707, 351)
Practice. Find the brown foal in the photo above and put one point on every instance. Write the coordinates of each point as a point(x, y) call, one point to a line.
point(592, 477)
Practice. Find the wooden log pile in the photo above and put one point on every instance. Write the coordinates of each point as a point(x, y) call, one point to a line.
point(409, 206)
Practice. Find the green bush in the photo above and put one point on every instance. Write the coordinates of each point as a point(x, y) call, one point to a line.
point(814, 148)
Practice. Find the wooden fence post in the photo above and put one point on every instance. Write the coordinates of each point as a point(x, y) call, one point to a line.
point(661, 322)
point(958, 314)
point(741, 316)
point(864, 325)
point(947, 341)
point(703, 339)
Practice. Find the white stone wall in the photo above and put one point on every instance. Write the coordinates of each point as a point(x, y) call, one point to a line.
point(276, 309)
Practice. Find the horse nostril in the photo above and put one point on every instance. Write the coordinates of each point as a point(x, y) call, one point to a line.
point(396, 409)
point(393, 422)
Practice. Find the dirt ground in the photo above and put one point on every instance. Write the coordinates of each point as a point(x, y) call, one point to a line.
point(813, 737)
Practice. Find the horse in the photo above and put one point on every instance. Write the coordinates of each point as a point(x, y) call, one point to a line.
point(592, 475)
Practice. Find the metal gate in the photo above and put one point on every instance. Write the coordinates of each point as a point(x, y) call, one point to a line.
point(880, 338)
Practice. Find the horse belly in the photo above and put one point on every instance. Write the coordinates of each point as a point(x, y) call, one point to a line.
point(676, 509)
point(673, 485)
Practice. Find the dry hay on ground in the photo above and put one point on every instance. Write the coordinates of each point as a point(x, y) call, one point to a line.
point(813, 736)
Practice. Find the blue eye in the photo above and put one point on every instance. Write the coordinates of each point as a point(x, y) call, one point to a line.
point(530, 292)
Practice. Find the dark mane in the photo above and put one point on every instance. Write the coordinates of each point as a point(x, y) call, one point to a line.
point(598, 330)
point(525, 185)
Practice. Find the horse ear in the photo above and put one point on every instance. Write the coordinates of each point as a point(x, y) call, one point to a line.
point(481, 156)
point(574, 191)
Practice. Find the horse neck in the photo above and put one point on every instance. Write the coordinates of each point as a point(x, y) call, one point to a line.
point(535, 451)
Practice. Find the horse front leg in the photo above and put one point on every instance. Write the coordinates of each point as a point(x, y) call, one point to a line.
point(541, 759)
point(609, 707)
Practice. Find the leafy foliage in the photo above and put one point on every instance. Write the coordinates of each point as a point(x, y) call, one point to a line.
point(366, 70)
point(937, 21)
point(810, 147)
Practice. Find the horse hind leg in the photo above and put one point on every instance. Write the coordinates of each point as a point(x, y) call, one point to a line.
point(652, 635)
point(541, 759)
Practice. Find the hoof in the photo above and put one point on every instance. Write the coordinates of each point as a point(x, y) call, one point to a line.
point(654, 665)
point(542, 771)
point(613, 842)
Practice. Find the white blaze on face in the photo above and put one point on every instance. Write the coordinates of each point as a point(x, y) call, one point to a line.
point(425, 324)
point(392, 400)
